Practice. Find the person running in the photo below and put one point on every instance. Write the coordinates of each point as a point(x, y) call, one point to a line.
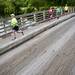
point(66, 9)
point(58, 12)
point(15, 27)
point(50, 11)
point(62, 11)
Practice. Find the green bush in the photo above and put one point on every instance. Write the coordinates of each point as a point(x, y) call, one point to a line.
point(28, 9)
point(43, 8)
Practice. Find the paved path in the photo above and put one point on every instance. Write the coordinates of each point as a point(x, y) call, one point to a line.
point(58, 58)
point(41, 55)
point(51, 52)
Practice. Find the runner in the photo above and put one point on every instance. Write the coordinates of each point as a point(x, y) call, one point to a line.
point(66, 9)
point(15, 27)
point(50, 11)
point(58, 12)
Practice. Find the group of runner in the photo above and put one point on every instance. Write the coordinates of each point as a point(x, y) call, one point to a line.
point(52, 13)
point(57, 11)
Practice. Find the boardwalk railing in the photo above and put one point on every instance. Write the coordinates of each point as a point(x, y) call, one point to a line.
point(23, 21)
point(26, 20)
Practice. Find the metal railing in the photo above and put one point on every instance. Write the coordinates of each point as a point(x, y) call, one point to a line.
point(27, 20)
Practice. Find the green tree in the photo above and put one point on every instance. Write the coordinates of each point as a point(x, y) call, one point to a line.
point(9, 7)
point(71, 2)
point(27, 6)
point(6, 7)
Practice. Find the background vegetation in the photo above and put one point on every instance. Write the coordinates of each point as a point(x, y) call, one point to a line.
point(27, 6)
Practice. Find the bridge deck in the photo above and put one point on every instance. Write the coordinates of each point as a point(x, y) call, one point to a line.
point(42, 54)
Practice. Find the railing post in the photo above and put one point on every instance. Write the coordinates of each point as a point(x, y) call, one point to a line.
point(3, 22)
point(21, 20)
point(35, 17)
point(73, 9)
point(5, 31)
point(69, 9)
point(44, 15)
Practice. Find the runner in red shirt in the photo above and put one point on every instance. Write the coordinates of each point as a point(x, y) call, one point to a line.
point(50, 11)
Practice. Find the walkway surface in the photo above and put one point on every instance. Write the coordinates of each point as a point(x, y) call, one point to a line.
point(50, 53)
point(58, 57)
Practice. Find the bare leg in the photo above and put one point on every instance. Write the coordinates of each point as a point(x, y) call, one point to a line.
point(20, 31)
point(14, 34)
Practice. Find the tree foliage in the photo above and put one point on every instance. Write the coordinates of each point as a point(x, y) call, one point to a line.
point(26, 6)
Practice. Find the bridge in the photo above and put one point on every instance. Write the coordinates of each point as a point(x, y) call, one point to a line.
point(47, 47)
